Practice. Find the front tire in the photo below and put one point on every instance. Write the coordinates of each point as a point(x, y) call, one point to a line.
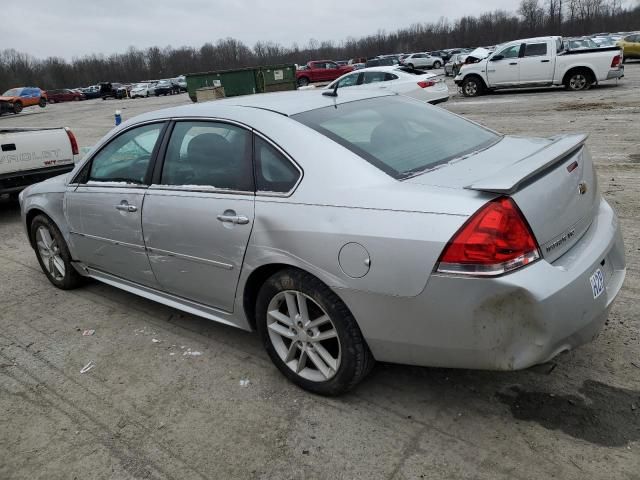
point(310, 334)
point(472, 87)
point(53, 253)
point(303, 81)
point(437, 65)
point(42, 103)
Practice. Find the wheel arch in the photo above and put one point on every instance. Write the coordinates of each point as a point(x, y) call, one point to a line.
point(478, 76)
point(577, 68)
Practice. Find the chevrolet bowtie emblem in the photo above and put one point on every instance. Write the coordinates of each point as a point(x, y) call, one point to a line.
point(582, 188)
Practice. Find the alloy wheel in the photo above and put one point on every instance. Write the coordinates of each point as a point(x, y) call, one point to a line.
point(303, 336)
point(471, 88)
point(578, 82)
point(50, 253)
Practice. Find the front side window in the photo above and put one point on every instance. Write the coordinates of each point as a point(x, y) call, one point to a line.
point(398, 135)
point(510, 52)
point(126, 158)
point(211, 154)
point(535, 49)
point(274, 173)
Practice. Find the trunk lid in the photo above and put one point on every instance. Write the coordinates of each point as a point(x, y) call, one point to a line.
point(552, 181)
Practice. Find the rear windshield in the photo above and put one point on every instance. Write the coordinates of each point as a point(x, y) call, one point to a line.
point(400, 136)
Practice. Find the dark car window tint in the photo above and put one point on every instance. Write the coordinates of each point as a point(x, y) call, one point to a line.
point(126, 158)
point(274, 173)
point(535, 49)
point(398, 135)
point(390, 76)
point(373, 77)
point(209, 154)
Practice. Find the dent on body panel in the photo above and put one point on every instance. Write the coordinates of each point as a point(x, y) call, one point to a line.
point(508, 324)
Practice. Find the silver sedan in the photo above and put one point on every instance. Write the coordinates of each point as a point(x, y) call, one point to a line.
point(344, 229)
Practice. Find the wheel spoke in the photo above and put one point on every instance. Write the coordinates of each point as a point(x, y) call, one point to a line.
point(319, 363)
point(326, 357)
point(42, 247)
point(325, 335)
point(318, 321)
point(45, 236)
point(281, 330)
point(302, 361)
point(58, 264)
point(281, 317)
point(50, 265)
point(302, 308)
point(291, 354)
point(291, 304)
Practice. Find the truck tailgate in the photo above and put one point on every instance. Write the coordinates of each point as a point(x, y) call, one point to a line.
point(24, 149)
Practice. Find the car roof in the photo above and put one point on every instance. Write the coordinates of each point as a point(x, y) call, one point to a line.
point(284, 103)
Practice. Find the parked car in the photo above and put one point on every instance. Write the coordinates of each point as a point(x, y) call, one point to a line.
point(140, 90)
point(402, 80)
point(112, 90)
point(540, 62)
point(320, 71)
point(630, 46)
point(346, 231)
point(381, 62)
point(15, 99)
point(165, 87)
point(422, 60)
point(445, 55)
point(64, 95)
point(181, 82)
point(452, 67)
point(91, 92)
point(31, 155)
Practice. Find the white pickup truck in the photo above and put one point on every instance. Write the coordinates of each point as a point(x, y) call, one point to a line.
point(540, 62)
point(31, 155)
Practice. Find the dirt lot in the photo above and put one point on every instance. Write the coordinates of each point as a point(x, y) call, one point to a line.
point(148, 411)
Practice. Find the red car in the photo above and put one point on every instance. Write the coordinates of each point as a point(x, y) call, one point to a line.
point(64, 95)
point(321, 71)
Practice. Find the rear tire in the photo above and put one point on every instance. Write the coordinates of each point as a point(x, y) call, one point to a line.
point(53, 254)
point(437, 64)
point(303, 81)
point(578, 80)
point(410, 65)
point(42, 103)
point(292, 339)
point(472, 87)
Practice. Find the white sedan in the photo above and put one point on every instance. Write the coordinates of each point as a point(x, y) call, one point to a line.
point(397, 79)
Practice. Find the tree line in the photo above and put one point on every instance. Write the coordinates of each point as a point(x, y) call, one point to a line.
point(533, 18)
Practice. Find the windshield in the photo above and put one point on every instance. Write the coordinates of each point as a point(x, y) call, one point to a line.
point(14, 92)
point(398, 135)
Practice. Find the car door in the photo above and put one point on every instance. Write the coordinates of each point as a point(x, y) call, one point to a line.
point(503, 68)
point(104, 205)
point(536, 64)
point(331, 71)
point(198, 213)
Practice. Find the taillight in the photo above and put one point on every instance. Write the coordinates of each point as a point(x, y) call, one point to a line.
point(73, 141)
point(426, 83)
point(495, 240)
point(616, 61)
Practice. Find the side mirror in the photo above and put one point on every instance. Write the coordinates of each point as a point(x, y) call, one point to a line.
point(495, 58)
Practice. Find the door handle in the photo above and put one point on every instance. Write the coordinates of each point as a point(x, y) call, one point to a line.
point(125, 207)
point(545, 61)
point(513, 63)
point(235, 219)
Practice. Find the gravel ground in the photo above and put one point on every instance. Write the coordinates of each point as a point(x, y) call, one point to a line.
point(146, 410)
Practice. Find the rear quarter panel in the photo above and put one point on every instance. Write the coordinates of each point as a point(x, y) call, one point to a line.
point(598, 62)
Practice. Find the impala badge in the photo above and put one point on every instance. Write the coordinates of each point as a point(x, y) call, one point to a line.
point(582, 188)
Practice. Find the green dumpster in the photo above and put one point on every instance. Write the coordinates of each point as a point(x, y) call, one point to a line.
point(244, 81)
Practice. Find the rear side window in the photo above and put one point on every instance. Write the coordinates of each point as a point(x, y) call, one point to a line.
point(274, 172)
point(535, 49)
point(211, 154)
point(400, 136)
point(373, 77)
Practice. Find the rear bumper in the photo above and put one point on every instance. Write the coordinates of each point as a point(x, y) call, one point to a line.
point(616, 73)
point(504, 323)
point(16, 181)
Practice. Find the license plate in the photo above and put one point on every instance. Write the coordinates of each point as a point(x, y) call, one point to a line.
point(597, 283)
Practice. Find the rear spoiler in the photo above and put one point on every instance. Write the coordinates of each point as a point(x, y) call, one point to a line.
point(508, 180)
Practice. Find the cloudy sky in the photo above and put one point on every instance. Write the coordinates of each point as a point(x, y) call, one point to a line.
point(68, 28)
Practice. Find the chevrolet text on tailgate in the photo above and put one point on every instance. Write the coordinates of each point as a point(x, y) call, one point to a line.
point(30, 155)
point(540, 62)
